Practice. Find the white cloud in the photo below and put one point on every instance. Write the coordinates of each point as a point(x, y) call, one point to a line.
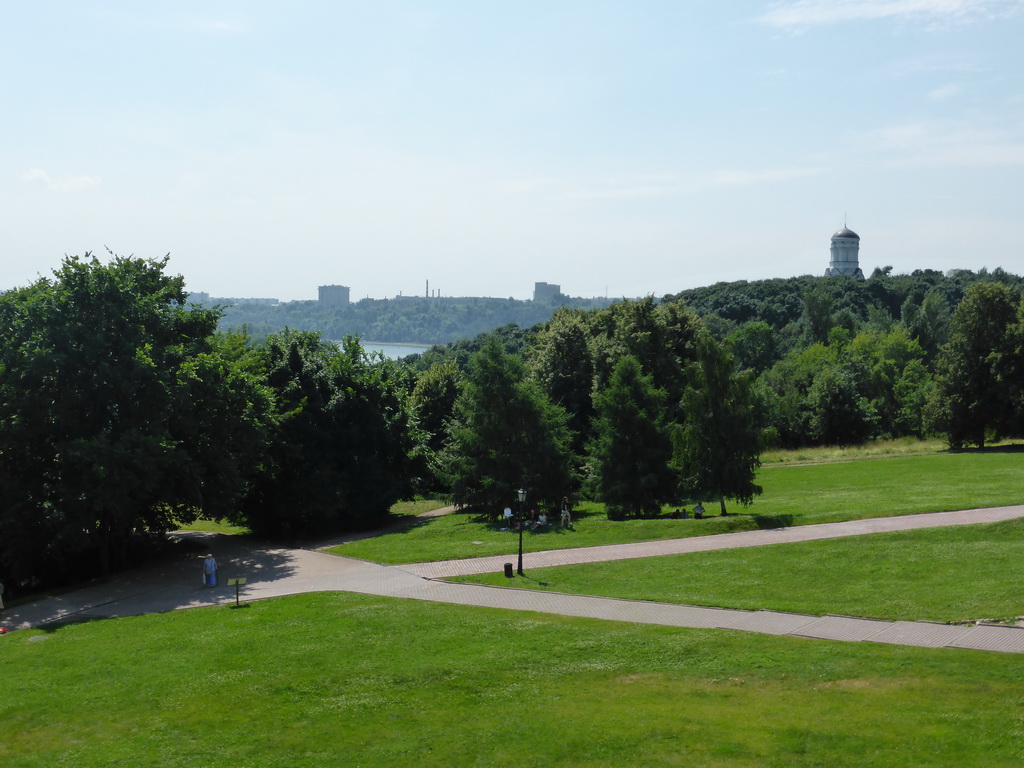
point(802, 14)
point(63, 183)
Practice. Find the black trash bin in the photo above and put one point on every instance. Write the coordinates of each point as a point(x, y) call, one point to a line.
point(508, 570)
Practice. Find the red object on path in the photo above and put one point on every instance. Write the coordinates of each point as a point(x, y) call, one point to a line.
point(3, 630)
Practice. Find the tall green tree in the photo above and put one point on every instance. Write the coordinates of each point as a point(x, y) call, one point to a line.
point(718, 449)
point(341, 452)
point(817, 317)
point(928, 322)
point(890, 375)
point(562, 363)
point(662, 337)
point(753, 346)
point(838, 413)
point(507, 434)
point(1009, 368)
point(432, 407)
point(120, 415)
point(631, 452)
point(970, 400)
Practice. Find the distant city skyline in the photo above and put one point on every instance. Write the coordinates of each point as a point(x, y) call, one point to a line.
point(338, 295)
point(636, 148)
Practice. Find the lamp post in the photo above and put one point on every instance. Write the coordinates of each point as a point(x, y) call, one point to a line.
point(522, 501)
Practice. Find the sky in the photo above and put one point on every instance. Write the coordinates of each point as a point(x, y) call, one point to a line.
point(614, 148)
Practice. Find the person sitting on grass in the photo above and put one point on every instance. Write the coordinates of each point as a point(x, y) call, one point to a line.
point(698, 511)
point(540, 522)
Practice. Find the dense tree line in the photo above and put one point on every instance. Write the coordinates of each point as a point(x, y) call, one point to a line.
point(781, 302)
point(840, 361)
point(123, 412)
point(126, 410)
point(663, 403)
point(634, 404)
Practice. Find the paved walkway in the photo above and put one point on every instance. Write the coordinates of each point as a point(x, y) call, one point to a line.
point(554, 557)
point(274, 572)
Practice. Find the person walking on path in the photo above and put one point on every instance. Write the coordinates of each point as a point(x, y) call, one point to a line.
point(209, 571)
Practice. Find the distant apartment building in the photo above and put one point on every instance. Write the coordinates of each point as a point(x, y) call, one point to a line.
point(546, 292)
point(333, 295)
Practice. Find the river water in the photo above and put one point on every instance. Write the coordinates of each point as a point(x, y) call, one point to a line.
point(394, 351)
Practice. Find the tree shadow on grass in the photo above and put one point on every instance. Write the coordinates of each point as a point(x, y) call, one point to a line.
point(1012, 448)
point(52, 627)
point(395, 524)
point(772, 521)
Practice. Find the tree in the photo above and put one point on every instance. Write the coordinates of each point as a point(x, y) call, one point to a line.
point(660, 336)
point(632, 450)
point(432, 406)
point(753, 346)
point(928, 322)
point(785, 386)
point(718, 448)
point(1009, 368)
point(817, 317)
point(969, 398)
point(839, 413)
point(562, 364)
point(341, 451)
point(888, 369)
point(507, 434)
point(120, 415)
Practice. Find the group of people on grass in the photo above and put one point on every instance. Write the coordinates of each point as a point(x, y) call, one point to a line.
point(535, 522)
point(682, 514)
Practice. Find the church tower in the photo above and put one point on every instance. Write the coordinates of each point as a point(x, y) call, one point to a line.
point(845, 254)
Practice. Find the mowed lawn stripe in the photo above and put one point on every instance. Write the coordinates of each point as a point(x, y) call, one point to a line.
point(793, 495)
point(954, 574)
point(337, 679)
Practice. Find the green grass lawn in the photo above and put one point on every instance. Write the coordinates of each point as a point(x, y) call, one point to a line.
point(417, 507)
point(875, 449)
point(793, 494)
point(940, 574)
point(463, 535)
point(352, 680)
point(214, 526)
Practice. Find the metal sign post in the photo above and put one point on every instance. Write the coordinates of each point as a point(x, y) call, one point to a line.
point(236, 583)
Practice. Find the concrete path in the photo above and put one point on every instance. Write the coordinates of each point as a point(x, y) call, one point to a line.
point(274, 572)
point(450, 568)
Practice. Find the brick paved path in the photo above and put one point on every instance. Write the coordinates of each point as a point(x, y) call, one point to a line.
point(274, 572)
